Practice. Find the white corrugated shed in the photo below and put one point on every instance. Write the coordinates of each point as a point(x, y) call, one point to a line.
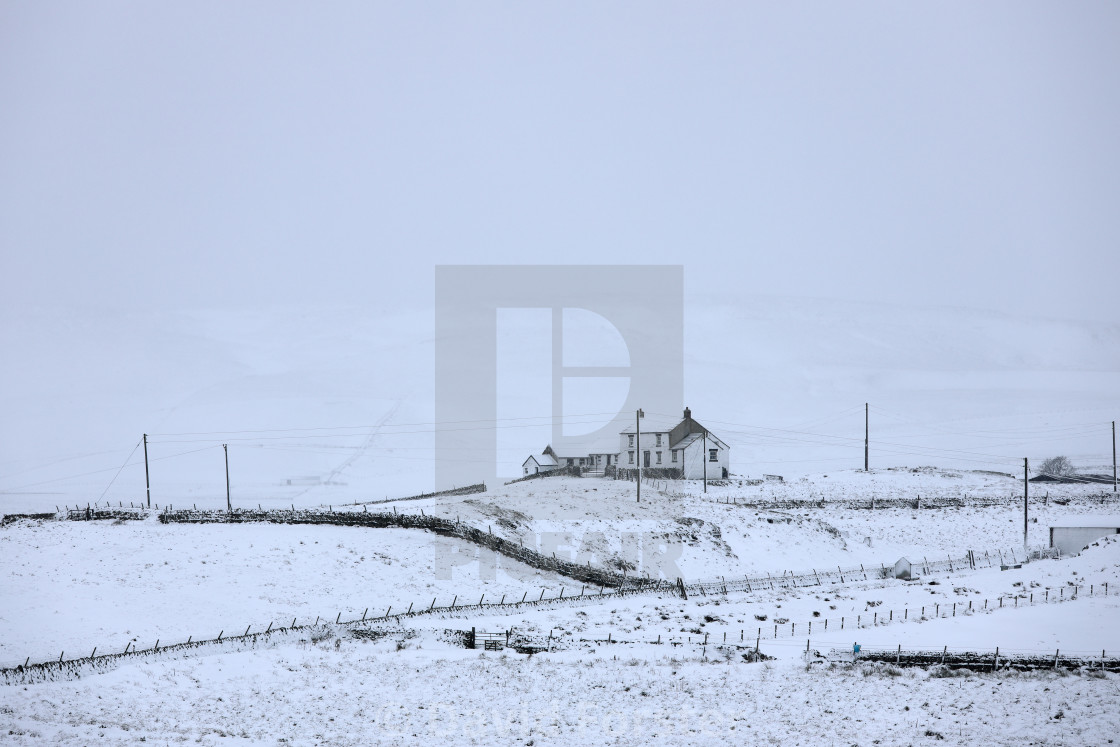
point(1072, 534)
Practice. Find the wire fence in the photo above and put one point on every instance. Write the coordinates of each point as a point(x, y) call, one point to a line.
point(948, 499)
point(49, 668)
point(971, 659)
point(786, 632)
point(818, 577)
point(875, 617)
point(13, 671)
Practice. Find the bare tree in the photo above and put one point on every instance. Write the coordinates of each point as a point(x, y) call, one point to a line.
point(1058, 466)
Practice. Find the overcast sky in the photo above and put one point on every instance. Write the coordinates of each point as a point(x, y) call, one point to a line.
point(202, 154)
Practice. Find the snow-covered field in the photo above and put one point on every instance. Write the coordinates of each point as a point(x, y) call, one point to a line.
point(666, 675)
point(357, 692)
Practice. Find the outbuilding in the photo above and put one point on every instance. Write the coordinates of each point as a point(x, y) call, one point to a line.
point(1073, 534)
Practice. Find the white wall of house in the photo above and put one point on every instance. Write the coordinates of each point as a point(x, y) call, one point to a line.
point(697, 459)
point(531, 466)
point(627, 445)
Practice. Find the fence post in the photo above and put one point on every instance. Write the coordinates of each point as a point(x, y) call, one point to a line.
point(943, 655)
point(1056, 658)
point(898, 656)
point(995, 665)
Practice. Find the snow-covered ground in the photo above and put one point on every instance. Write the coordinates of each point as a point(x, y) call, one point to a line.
point(666, 674)
point(357, 692)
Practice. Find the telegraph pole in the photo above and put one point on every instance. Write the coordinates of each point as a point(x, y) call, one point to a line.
point(1113, 456)
point(704, 454)
point(866, 435)
point(1025, 490)
point(147, 479)
point(638, 414)
point(229, 505)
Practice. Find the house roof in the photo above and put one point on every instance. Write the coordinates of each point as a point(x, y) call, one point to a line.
point(692, 438)
point(544, 460)
point(653, 424)
point(1111, 521)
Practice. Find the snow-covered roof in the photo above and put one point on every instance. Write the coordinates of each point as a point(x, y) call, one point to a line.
point(654, 424)
point(693, 437)
point(1086, 520)
point(544, 460)
point(688, 440)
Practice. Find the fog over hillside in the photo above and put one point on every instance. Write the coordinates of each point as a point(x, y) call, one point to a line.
point(339, 399)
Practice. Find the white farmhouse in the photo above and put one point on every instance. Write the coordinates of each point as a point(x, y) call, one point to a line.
point(682, 445)
point(669, 447)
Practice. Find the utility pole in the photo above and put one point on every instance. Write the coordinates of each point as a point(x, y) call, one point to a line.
point(866, 436)
point(704, 454)
point(147, 479)
point(229, 505)
point(1113, 456)
point(1025, 490)
point(638, 415)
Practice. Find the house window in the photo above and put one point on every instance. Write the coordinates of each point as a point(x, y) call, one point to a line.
point(658, 439)
point(526, 470)
point(674, 455)
point(631, 440)
point(659, 457)
point(631, 456)
point(570, 462)
point(712, 455)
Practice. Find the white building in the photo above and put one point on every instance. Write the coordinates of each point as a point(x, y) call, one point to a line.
point(543, 462)
point(675, 448)
point(669, 444)
point(549, 460)
point(1074, 534)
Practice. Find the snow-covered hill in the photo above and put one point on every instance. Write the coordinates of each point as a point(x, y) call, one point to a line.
point(338, 401)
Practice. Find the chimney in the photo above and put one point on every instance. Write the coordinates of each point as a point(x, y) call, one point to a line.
point(687, 414)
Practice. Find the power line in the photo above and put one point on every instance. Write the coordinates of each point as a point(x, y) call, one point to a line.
point(106, 490)
point(434, 424)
